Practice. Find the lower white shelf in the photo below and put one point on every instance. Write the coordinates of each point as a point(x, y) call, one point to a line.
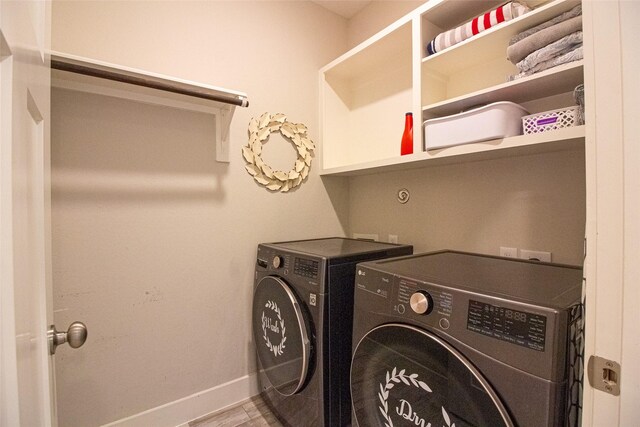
point(571, 138)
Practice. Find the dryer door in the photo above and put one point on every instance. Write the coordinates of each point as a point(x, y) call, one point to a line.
point(405, 376)
point(281, 332)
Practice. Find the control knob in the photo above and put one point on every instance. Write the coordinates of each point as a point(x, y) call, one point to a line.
point(421, 302)
point(277, 261)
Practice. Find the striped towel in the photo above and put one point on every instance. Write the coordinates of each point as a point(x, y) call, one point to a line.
point(477, 25)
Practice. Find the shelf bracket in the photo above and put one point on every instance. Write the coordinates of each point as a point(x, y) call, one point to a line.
point(223, 124)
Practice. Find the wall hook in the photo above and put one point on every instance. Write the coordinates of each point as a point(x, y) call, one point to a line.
point(403, 195)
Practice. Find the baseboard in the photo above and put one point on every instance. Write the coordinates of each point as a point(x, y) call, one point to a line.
point(183, 410)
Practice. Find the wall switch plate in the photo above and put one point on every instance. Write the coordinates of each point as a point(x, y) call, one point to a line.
point(508, 252)
point(393, 238)
point(535, 255)
point(363, 236)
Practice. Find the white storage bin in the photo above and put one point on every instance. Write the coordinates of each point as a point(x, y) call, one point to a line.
point(550, 120)
point(492, 121)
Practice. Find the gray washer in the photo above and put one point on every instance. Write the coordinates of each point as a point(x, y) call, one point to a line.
point(472, 340)
point(302, 324)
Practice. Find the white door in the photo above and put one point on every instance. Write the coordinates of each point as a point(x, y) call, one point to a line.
point(27, 386)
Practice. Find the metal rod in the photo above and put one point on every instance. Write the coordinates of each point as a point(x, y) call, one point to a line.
point(150, 82)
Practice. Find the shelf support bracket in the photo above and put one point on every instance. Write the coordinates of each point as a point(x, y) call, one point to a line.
point(223, 125)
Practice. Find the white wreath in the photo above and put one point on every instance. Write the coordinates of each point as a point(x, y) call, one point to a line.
point(259, 131)
point(395, 378)
point(275, 348)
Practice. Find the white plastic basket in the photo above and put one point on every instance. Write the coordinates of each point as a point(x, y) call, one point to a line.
point(493, 121)
point(550, 120)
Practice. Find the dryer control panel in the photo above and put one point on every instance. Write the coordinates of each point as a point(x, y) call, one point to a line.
point(410, 299)
point(506, 324)
point(441, 301)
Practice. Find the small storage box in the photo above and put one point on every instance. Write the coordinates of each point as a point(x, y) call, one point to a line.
point(550, 120)
point(492, 121)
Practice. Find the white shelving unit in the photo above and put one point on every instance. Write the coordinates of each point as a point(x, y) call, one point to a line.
point(92, 76)
point(365, 92)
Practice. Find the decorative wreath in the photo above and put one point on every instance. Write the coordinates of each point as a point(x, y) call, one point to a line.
point(275, 348)
point(395, 378)
point(259, 131)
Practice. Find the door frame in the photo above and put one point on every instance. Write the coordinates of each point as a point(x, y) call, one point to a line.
point(612, 248)
point(25, 217)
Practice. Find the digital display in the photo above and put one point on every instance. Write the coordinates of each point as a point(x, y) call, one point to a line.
point(518, 316)
point(514, 326)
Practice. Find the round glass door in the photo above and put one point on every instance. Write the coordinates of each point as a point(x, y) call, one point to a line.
point(404, 376)
point(281, 334)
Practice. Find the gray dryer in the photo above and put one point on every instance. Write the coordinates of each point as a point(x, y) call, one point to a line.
point(453, 338)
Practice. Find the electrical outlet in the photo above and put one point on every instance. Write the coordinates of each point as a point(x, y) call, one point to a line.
point(535, 255)
point(508, 252)
point(363, 236)
point(393, 238)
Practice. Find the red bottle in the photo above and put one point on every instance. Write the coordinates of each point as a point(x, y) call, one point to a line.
point(406, 147)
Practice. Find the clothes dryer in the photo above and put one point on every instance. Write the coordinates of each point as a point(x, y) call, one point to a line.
point(458, 339)
point(302, 325)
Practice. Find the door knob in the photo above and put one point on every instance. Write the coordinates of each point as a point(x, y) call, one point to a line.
point(76, 335)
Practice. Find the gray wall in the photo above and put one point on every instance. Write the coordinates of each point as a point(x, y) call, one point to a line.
point(375, 16)
point(530, 202)
point(153, 240)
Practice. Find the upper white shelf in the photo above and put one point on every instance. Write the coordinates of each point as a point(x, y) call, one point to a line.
point(379, 50)
point(93, 76)
point(492, 42)
point(446, 14)
point(105, 70)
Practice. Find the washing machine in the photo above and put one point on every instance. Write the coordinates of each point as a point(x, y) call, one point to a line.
point(302, 324)
point(458, 339)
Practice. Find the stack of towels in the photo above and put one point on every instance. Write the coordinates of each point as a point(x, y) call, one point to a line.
point(552, 43)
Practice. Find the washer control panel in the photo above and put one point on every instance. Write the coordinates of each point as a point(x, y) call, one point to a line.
point(306, 268)
point(297, 269)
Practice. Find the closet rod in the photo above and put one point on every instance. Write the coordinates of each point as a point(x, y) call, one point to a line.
point(134, 77)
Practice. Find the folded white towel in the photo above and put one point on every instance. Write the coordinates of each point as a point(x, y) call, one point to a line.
point(518, 51)
point(571, 56)
point(557, 48)
point(576, 11)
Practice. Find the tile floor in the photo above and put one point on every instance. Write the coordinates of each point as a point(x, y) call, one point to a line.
point(252, 412)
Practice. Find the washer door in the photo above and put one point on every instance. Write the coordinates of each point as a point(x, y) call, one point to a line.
point(281, 333)
point(404, 376)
